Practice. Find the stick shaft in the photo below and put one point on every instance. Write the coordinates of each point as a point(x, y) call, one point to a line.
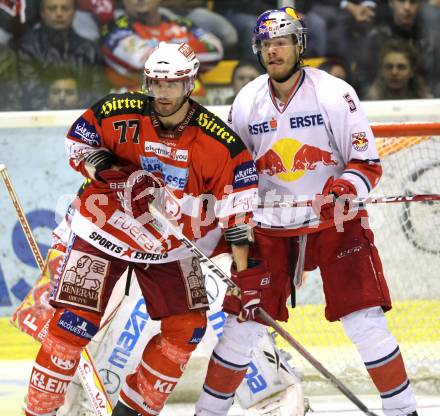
point(357, 201)
point(22, 218)
point(90, 387)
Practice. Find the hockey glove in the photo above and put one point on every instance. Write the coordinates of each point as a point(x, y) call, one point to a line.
point(339, 191)
point(133, 187)
point(97, 161)
point(246, 299)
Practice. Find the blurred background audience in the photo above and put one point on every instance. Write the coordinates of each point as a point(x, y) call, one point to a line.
point(64, 91)
point(398, 76)
point(61, 54)
point(53, 43)
point(9, 86)
point(403, 23)
point(337, 67)
point(243, 73)
point(139, 27)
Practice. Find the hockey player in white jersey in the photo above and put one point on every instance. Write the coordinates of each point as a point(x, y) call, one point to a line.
point(310, 139)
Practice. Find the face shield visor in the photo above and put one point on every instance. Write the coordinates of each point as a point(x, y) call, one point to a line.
point(168, 88)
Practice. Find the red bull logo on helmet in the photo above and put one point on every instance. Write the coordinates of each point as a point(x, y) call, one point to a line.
point(289, 159)
point(267, 26)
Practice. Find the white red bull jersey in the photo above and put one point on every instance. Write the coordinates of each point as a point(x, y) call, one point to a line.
point(204, 165)
point(321, 131)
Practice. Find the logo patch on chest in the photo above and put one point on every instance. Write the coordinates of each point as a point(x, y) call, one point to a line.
point(173, 176)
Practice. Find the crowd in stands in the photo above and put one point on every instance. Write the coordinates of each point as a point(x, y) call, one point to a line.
point(64, 54)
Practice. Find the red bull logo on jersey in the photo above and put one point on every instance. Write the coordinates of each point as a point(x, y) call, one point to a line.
point(289, 159)
point(359, 141)
point(307, 158)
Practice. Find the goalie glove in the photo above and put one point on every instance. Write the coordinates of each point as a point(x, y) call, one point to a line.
point(246, 299)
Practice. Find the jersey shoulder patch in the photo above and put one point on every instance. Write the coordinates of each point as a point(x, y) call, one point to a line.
point(134, 102)
point(214, 127)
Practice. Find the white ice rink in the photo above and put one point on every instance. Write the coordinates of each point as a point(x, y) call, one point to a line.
point(14, 377)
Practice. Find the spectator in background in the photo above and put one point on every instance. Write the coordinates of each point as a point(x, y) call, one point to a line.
point(317, 36)
point(398, 77)
point(9, 87)
point(208, 20)
point(64, 90)
point(17, 16)
point(91, 15)
point(430, 14)
point(54, 43)
point(244, 72)
point(404, 25)
point(346, 22)
point(337, 67)
point(127, 43)
point(242, 14)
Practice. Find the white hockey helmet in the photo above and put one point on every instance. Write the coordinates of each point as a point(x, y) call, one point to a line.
point(171, 62)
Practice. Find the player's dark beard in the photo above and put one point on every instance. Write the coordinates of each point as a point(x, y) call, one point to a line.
point(178, 107)
point(286, 77)
point(292, 70)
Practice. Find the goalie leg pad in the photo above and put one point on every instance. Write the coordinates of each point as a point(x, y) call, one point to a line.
point(58, 359)
point(368, 330)
point(228, 365)
point(163, 361)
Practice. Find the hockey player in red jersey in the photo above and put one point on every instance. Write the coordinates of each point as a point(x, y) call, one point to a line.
point(303, 126)
point(127, 145)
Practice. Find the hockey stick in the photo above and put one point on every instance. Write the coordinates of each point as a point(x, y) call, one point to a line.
point(357, 201)
point(175, 230)
point(87, 372)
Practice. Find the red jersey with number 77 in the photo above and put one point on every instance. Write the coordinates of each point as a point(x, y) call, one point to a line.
point(202, 162)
